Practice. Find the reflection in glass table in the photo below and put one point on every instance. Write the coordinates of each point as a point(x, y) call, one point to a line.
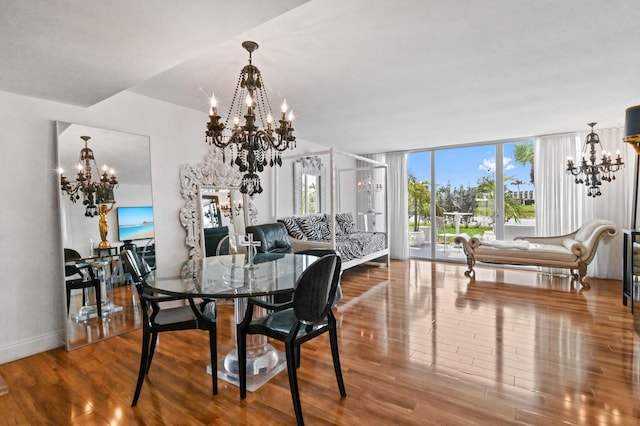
point(230, 277)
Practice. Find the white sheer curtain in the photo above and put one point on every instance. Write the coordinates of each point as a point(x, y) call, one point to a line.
point(558, 199)
point(398, 205)
point(562, 205)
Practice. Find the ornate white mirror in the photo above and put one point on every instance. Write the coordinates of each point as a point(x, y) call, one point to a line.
point(214, 206)
point(309, 185)
point(222, 214)
point(92, 236)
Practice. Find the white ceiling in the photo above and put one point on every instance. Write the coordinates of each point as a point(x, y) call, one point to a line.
point(110, 148)
point(361, 75)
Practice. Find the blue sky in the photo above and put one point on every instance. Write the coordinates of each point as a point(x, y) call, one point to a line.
point(464, 166)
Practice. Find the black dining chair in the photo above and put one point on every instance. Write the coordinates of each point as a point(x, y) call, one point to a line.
point(158, 319)
point(80, 276)
point(308, 315)
point(319, 252)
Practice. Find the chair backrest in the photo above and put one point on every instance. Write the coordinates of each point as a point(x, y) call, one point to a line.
point(273, 237)
point(223, 246)
point(316, 288)
point(71, 270)
point(212, 238)
point(319, 252)
point(135, 266)
point(71, 254)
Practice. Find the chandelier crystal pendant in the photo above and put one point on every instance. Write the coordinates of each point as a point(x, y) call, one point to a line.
point(589, 171)
point(92, 192)
point(252, 148)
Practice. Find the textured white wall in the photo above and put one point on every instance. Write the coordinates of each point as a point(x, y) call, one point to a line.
point(32, 302)
point(31, 306)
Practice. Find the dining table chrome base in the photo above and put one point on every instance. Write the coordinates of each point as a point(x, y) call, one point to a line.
point(262, 365)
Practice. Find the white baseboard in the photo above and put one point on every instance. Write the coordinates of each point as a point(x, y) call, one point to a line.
point(31, 346)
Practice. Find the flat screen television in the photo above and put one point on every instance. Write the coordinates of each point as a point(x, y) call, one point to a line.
point(135, 223)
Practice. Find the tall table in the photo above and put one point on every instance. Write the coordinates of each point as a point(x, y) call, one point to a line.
point(102, 269)
point(230, 277)
point(456, 219)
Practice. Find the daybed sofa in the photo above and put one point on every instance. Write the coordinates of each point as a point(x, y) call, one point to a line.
point(572, 251)
point(355, 246)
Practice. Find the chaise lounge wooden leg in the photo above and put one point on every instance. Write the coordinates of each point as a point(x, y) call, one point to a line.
point(582, 272)
point(470, 273)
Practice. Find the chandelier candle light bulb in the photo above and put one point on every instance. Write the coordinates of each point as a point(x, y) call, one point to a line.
point(214, 106)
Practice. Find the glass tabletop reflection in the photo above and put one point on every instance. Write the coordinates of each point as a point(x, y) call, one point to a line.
point(229, 276)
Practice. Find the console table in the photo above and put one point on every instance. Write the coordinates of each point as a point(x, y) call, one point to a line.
point(630, 237)
point(630, 275)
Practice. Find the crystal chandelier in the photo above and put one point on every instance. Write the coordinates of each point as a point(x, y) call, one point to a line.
point(252, 148)
point(591, 173)
point(93, 192)
point(369, 187)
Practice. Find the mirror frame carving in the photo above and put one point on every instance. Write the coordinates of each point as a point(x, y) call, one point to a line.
point(213, 173)
point(313, 166)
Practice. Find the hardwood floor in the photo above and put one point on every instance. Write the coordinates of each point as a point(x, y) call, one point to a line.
point(419, 344)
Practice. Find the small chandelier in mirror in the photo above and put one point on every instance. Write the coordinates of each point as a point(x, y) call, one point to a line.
point(229, 208)
point(589, 171)
point(369, 187)
point(252, 148)
point(92, 192)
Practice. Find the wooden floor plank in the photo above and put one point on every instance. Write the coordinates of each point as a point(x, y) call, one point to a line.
point(4, 388)
point(419, 344)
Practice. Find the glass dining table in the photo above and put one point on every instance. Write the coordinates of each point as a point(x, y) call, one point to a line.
point(232, 277)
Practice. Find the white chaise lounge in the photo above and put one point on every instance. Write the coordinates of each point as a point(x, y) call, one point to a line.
point(572, 251)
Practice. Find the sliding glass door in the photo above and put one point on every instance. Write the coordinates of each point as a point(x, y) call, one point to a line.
point(481, 190)
point(519, 197)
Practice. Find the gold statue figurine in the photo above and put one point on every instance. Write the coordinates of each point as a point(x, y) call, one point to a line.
point(104, 225)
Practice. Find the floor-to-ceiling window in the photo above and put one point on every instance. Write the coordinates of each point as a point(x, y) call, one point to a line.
point(481, 190)
point(519, 217)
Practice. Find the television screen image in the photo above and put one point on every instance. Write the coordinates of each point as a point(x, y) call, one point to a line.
point(135, 223)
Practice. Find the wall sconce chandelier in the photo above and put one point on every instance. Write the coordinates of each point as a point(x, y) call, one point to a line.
point(252, 148)
point(93, 192)
point(589, 171)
